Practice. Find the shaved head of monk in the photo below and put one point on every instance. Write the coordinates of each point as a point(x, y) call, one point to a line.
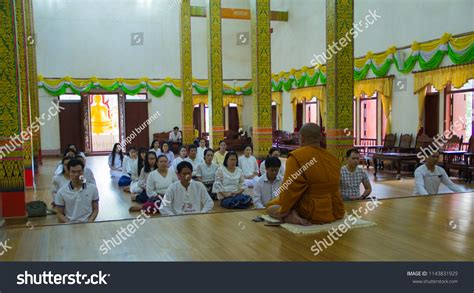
point(310, 134)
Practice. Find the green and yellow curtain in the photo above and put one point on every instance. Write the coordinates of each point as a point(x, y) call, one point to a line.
point(384, 88)
point(457, 76)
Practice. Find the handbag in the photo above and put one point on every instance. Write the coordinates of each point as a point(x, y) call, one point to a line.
point(36, 208)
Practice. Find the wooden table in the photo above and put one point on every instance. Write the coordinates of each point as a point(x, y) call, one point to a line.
point(408, 229)
point(398, 158)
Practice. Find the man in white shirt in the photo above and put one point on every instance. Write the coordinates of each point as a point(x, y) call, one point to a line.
point(186, 196)
point(194, 159)
point(77, 201)
point(202, 148)
point(429, 176)
point(267, 185)
point(175, 135)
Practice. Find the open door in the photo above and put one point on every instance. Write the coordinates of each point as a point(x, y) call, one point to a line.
point(431, 114)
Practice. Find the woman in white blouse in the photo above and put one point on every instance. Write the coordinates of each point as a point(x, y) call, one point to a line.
point(115, 161)
point(149, 167)
point(249, 166)
point(165, 150)
point(206, 172)
point(230, 184)
point(159, 180)
point(60, 180)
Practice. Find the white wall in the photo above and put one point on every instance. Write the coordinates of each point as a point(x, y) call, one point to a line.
point(50, 143)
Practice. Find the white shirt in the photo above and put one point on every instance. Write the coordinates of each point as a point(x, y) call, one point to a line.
point(207, 172)
point(170, 157)
point(89, 176)
point(264, 191)
point(157, 184)
point(227, 181)
point(427, 182)
point(176, 162)
point(248, 165)
point(77, 203)
point(117, 163)
point(129, 165)
point(175, 137)
point(197, 161)
point(200, 152)
point(281, 172)
point(178, 200)
point(58, 181)
point(157, 152)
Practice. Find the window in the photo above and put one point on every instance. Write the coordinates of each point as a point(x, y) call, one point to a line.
point(367, 115)
point(312, 111)
point(458, 110)
point(136, 97)
point(69, 97)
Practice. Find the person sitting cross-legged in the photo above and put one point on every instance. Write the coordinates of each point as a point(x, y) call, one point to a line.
point(186, 196)
point(77, 201)
point(352, 176)
point(230, 184)
point(267, 185)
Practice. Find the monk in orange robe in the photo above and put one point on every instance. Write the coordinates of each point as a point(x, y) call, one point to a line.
point(310, 192)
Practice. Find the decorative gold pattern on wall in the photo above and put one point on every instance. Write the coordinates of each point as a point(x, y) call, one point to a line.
point(11, 162)
point(186, 72)
point(261, 76)
point(340, 77)
point(215, 72)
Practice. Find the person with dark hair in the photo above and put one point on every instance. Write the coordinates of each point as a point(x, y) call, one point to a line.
point(185, 196)
point(74, 148)
point(115, 161)
point(230, 184)
point(77, 201)
point(206, 172)
point(352, 176)
point(273, 152)
point(149, 166)
point(266, 187)
point(88, 174)
point(135, 186)
point(175, 135)
point(60, 180)
point(181, 156)
point(155, 147)
point(193, 159)
point(202, 148)
point(160, 179)
point(219, 156)
point(130, 164)
point(165, 150)
point(68, 152)
point(249, 166)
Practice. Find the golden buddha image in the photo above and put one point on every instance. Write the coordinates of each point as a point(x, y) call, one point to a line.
point(100, 117)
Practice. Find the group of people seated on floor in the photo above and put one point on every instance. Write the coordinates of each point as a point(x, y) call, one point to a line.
point(310, 191)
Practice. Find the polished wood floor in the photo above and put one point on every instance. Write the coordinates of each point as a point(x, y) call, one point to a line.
point(115, 203)
point(429, 228)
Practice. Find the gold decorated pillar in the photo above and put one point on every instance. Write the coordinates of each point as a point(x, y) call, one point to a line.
point(340, 76)
point(12, 189)
point(33, 81)
point(186, 72)
point(215, 73)
point(261, 77)
point(23, 65)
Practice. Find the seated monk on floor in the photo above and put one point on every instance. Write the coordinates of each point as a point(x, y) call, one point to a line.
point(310, 193)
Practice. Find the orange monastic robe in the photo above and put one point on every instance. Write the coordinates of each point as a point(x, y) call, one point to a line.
point(311, 186)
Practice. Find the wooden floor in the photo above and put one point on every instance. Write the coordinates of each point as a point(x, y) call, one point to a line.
point(429, 228)
point(114, 203)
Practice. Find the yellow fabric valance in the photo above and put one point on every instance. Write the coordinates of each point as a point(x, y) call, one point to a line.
point(198, 99)
point(277, 98)
point(307, 94)
point(439, 78)
point(384, 87)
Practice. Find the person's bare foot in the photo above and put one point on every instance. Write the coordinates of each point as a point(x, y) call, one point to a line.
point(294, 218)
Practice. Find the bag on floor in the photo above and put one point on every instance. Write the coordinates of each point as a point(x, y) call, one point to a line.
point(36, 208)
